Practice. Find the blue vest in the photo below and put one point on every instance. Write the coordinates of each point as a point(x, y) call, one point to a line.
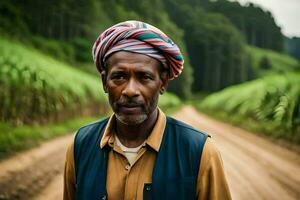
point(175, 171)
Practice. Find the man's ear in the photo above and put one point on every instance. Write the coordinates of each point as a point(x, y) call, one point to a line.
point(104, 80)
point(164, 82)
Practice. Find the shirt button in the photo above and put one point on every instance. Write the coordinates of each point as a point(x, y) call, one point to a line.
point(127, 167)
point(111, 140)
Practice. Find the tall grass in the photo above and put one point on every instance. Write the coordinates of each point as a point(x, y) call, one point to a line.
point(270, 105)
point(34, 86)
point(14, 139)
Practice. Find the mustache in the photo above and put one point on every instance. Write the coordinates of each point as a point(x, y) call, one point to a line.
point(129, 101)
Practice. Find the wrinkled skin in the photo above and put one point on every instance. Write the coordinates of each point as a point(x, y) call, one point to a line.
point(133, 82)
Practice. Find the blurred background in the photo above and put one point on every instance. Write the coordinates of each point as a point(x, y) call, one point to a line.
point(242, 69)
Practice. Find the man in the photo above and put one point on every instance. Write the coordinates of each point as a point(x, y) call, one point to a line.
point(139, 153)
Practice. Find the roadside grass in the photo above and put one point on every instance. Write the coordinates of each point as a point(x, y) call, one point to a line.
point(196, 98)
point(169, 103)
point(14, 139)
point(270, 105)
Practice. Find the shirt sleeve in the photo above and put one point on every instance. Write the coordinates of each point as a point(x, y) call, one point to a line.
point(211, 181)
point(69, 174)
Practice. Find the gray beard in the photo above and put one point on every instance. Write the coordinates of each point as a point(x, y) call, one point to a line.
point(131, 120)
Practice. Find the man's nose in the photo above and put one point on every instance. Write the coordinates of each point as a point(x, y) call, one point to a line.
point(131, 89)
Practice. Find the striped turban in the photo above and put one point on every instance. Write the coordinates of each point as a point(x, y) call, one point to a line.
point(138, 37)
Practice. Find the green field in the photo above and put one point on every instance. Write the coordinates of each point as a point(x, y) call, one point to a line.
point(36, 87)
point(279, 62)
point(270, 105)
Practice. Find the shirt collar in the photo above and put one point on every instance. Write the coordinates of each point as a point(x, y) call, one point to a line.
point(154, 139)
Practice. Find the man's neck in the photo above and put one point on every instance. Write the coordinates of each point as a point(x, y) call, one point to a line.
point(134, 135)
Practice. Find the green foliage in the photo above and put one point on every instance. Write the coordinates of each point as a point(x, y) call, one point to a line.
point(280, 62)
point(265, 63)
point(270, 104)
point(11, 21)
point(55, 26)
point(83, 49)
point(258, 26)
point(215, 47)
point(59, 49)
point(13, 139)
point(169, 100)
point(292, 46)
point(209, 33)
point(67, 29)
point(35, 87)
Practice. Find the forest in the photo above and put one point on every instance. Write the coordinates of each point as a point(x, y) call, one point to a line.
point(212, 35)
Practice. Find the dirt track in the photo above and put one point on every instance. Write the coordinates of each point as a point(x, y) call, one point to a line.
point(255, 167)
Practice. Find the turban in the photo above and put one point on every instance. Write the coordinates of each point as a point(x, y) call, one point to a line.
point(138, 37)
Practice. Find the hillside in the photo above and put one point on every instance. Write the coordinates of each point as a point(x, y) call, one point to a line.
point(278, 62)
point(36, 87)
point(270, 105)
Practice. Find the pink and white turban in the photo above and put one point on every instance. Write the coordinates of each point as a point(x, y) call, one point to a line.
point(138, 37)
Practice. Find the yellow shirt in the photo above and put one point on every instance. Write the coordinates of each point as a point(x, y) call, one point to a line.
point(125, 181)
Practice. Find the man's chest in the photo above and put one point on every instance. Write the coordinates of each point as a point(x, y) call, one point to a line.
point(125, 181)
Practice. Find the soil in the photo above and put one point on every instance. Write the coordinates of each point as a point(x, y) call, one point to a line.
point(256, 168)
point(26, 174)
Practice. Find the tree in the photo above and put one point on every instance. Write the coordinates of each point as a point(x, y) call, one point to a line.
point(257, 25)
point(215, 47)
point(292, 46)
point(265, 63)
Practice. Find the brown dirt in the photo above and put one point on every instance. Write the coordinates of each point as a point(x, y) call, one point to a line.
point(256, 168)
point(26, 174)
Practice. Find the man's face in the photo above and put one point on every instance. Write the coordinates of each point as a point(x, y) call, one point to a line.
point(133, 84)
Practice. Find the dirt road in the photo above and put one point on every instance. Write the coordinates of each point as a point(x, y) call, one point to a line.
point(255, 167)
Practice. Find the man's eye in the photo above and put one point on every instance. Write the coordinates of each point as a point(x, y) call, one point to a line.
point(147, 77)
point(118, 77)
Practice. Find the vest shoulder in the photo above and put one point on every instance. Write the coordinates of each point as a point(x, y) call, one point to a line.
point(184, 128)
point(90, 128)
